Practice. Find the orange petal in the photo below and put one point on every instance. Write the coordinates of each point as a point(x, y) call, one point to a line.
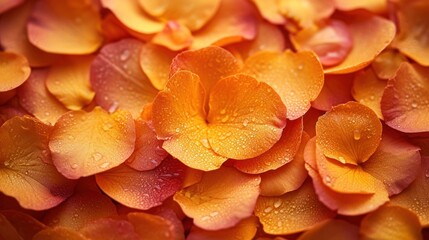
point(5, 5)
point(246, 117)
point(7, 230)
point(174, 36)
point(413, 25)
point(368, 90)
point(68, 81)
point(80, 209)
point(142, 189)
point(332, 230)
point(148, 153)
point(245, 229)
point(405, 101)
point(349, 133)
point(118, 80)
point(394, 153)
point(178, 117)
point(288, 177)
point(117, 132)
point(149, 226)
point(68, 27)
point(387, 63)
point(109, 228)
point(112, 29)
point(26, 171)
point(14, 70)
point(34, 97)
point(302, 70)
point(376, 6)
point(26, 225)
point(391, 222)
point(155, 62)
point(292, 212)
point(280, 154)
point(210, 201)
point(269, 9)
point(310, 118)
point(364, 28)
point(415, 197)
point(58, 233)
point(13, 26)
point(336, 90)
point(6, 96)
point(234, 21)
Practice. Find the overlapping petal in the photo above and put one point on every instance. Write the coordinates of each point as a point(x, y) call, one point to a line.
point(25, 225)
point(155, 62)
point(149, 226)
point(14, 70)
point(109, 228)
point(335, 91)
point(5, 5)
point(387, 63)
point(58, 233)
point(377, 6)
point(332, 230)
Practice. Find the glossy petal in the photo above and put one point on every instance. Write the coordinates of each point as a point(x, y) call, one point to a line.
point(336, 90)
point(34, 97)
point(5, 5)
point(405, 100)
point(246, 117)
point(349, 133)
point(109, 228)
point(58, 233)
point(277, 156)
point(142, 189)
point(109, 142)
point(68, 27)
point(377, 6)
point(155, 62)
point(387, 63)
point(26, 225)
point(149, 226)
point(174, 36)
point(118, 80)
point(292, 212)
point(221, 199)
point(288, 177)
point(391, 222)
point(332, 230)
point(26, 171)
point(296, 77)
point(270, 11)
point(234, 21)
point(14, 70)
point(68, 81)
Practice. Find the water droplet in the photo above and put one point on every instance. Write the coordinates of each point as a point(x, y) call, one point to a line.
point(223, 111)
point(125, 55)
point(107, 126)
point(205, 143)
point(300, 66)
point(75, 215)
point(113, 107)
point(245, 122)
point(74, 166)
point(26, 172)
point(177, 130)
point(213, 214)
point(278, 203)
point(97, 156)
point(47, 114)
point(225, 118)
point(414, 105)
point(342, 160)
point(427, 173)
point(292, 93)
point(205, 218)
point(268, 209)
point(356, 134)
point(328, 180)
point(104, 165)
point(371, 97)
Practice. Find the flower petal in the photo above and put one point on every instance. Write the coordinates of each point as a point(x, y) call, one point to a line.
point(349, 133)
point(210, 201)
point(25, 225)
point(109, 228)
point(5, 5)
point(118, 80)
point(336, 90)
point(26, 171)
point(387, 63)
point(68, 27)
point(14, 70)
point(7, 230)
point(149, 226)
point(142, 189)
point(391, 222)
point(246, 117)
point(58, 233)
point(292, 212)
point(302, 70)
point(332, 230)
point(376, 6)
point(109, 141)
point(174, 36)
point(405, 101)
point(270, 11)
point(155, 62)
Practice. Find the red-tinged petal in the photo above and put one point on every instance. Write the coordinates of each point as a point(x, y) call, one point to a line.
point(174, 36)
point(368, 90)
point(178, 117)
point(245, 229)
point(118, 80)
point(234, 21)
point(395, 162)
point(155, 62)
point(173, 215)
point(391, 222)
point(109, 140)
point(149, 226)
point(6, 96)
point(26, 171)
point(148, 152)
point(246, 117)
point(142, 189)
point(269, 9)
point(277, 156)
point(292, 212)
point(13, 26)
point(14, 70)
point(68, 27)
point(58, 233)
point(413, 26)
point(387, 63)
point(349, 133)
point(376, 6)
point(7, 230)
point(5, 5)
point(288, 177)
point(80, 209)
point(112, 29)
point(8, 112)
point(415, 197)
point(296, 77)
point(422, 143)
point(221, 199)
point(25, 225)
point(68, 81)
point(109, 228)
point(405, 101)
point(332, 230)
point(310, 119)
point(336, 90)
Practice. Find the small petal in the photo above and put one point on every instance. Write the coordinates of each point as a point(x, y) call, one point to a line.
point(155, 62)
point(14, 70)
point(336, 90)
point(387, 63)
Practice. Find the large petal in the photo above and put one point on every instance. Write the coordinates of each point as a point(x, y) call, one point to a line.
point(68, 27)
point(332, 230)
point(405, 101)
point(149, 226)
point(14, 70)
point(296, 77)
point(221, 199)
point(118, 80)
point(26, 171)
point(246, 117)
point(377, 6)
point(108, 140)
point(155, 62)
point(349, 133)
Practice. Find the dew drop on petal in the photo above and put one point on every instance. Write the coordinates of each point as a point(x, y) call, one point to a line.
point(356, 134)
